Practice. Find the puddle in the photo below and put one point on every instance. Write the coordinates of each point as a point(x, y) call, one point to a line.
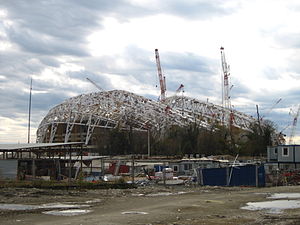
point(137, 195)
point(20, 207)
point(60, 206)
point(285, 196)
point(134, 212)
point(160, 194)
point(93, 201)
point(276, 206)
point(69, 212)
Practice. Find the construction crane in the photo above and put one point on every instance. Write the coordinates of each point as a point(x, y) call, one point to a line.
point(280, 136)
point(225, 67)
point(96, 85)
point(180, 89)
point(295, 119)
point(225, 88)
point(162, 79)
point(273, 106)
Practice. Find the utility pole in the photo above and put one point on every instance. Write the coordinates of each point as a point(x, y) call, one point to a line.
point(29, 111)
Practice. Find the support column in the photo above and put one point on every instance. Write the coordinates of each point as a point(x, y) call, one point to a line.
point(33, 168)
point(164, 173)
point(81, 162)
point(70, 171)
point(200, 176)
point(102, 167)
point(91, 166)
point(149, 150)
point(256, 175)
point(132, 169)
point(227, 177)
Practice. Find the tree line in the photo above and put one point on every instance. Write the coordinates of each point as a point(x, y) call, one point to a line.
point(193, 139)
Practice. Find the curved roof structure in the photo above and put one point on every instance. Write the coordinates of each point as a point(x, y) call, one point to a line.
point(210, 112)
point(121, 108)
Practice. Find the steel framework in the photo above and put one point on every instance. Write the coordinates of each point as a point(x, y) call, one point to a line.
point(208, 112)
point(118, 108)
point(162, 79)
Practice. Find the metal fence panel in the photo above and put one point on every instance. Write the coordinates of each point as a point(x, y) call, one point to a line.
point(250, 175)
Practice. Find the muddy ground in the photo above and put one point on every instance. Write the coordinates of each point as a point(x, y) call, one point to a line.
point(148, 205)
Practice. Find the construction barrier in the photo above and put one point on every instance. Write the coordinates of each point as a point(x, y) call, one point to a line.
point(249, 175)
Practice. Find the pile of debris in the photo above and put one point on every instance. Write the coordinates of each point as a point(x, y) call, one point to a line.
point(283, 177)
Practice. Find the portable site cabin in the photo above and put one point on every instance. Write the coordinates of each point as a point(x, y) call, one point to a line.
point(187, 166)
point(283, 157)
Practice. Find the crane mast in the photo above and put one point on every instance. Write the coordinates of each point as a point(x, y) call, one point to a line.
point(162, 79)
point(180, 88)
point(273, 106)
point(294, 126)
point(96, 85)
point(225, 67)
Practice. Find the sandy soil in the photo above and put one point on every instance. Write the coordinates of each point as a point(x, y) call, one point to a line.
point(160, 205)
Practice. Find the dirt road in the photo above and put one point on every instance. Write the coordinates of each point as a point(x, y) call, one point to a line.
point(146, 205)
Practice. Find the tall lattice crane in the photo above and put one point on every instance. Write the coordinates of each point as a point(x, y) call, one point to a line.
point(225, 67)
point(226, 102)
point(180, 89)
point(96, 85)
point(294, 125)
point(162, 79)
point(270, 109)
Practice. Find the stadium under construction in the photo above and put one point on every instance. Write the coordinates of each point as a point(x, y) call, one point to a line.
point(78, 118)
point(86, 116)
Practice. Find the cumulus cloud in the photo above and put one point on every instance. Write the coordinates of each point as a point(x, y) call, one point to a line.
point(50, 41)
point(196, 9)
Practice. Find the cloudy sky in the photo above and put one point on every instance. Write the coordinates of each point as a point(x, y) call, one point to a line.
point(60, 43)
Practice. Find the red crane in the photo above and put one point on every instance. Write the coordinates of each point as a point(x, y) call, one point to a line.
point(226, 102)
point(226, 73)
point(162, 79)
point(294, 125)
point(180, 88)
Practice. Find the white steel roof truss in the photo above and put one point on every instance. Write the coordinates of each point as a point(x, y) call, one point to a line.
point(113, 108)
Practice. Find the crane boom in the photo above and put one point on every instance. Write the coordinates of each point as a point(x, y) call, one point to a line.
point(295, 120)
point(96, 85)
point(273, 106)
point(162, 79)
point(180, 88)
point(226, 73)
